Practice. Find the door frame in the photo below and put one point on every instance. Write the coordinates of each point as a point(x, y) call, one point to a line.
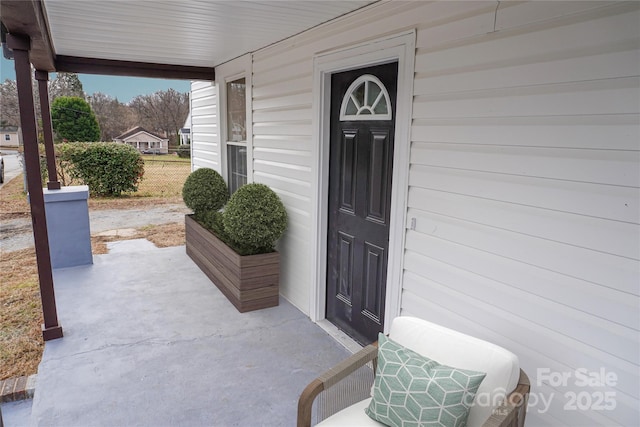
point(394, 48)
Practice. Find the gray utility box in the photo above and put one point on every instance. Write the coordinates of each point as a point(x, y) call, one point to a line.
point(67, 212)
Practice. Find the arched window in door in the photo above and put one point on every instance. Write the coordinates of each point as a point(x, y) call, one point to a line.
point(366, 99)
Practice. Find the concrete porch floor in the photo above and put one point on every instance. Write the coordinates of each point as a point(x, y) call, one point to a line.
point(150, 341)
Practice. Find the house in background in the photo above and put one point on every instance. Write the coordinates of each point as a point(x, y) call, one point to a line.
point(10, 137)
point(144, 141)
point(185, 131)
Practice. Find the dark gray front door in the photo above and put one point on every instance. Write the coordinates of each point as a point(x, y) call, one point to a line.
point(360, 170)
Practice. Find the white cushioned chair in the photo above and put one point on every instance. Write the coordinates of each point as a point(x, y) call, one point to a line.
point(501, 399)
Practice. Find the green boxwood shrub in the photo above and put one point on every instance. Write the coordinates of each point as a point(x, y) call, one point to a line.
point(65, 168)
point(254, 219)
point(212, 220)
point(204, 191)
point(108, 168)
point(184, 151)
point(64, 165)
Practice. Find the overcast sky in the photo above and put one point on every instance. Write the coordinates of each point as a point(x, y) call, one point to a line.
point(123, 88)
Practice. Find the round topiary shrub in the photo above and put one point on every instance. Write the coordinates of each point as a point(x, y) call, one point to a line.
point(204, 191)
point(254, 219)
point(212, 220)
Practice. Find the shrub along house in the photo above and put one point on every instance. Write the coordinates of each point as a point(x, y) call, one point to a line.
point(475, 164)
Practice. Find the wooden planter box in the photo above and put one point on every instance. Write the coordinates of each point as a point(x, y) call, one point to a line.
point(250, 282)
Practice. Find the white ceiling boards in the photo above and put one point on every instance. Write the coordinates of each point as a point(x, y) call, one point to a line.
point(180, 32)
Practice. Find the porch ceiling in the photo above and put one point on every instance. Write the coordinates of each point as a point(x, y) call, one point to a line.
point(192, 33)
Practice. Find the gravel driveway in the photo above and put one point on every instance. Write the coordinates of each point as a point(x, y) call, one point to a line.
point(16, 234)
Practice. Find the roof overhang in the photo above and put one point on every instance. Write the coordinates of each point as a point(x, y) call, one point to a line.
point(26, 17)
point(170, 39)
point(74, 64)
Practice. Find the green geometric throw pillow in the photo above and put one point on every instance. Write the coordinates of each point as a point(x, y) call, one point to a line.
point(411, 390)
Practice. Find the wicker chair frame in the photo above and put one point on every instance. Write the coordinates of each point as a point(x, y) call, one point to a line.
point(510, 413)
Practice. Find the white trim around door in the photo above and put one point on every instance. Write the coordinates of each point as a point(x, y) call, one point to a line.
point(400, 48)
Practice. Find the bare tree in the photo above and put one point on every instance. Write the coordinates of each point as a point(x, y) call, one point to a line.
point(162, 112)
point(9, 111)
point(113, 116)
point(65, 84)
point(9, 107)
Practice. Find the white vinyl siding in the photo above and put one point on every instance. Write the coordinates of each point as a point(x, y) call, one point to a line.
point(282, 160)
point(523, 182)
point(283, 117)
point(205, 137)
point(524, 179)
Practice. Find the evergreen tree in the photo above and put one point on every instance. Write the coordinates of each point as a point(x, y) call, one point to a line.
point(74, 120)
